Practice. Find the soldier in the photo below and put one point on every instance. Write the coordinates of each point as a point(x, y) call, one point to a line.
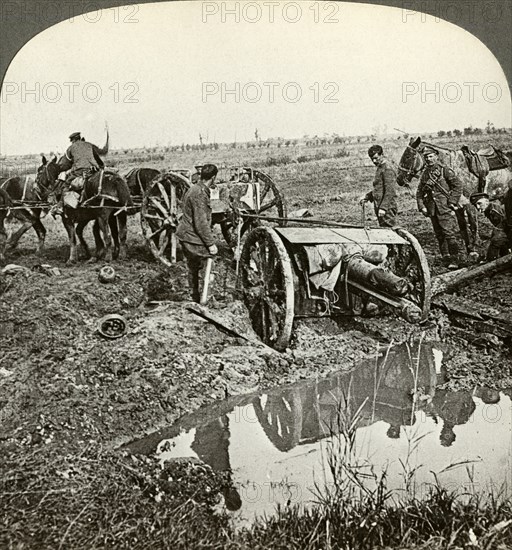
point(383, 195)
point(86, 158)
point(494, 211)
point(195, 227)
point(438, 196)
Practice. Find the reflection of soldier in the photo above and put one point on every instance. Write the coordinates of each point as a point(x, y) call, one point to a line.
point(455, 409)
point(211, 444)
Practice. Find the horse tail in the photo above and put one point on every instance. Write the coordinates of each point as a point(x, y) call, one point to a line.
point(123, 192)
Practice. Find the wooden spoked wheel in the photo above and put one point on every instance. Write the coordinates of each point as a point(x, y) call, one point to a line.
point(271, 203)
point(410, 262)
point(267, 283)
point(159, 214)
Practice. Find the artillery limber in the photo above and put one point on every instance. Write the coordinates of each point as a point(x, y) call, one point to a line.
point(290, 272)
point(240, 200)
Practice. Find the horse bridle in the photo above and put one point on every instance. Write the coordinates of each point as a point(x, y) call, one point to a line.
point(47, 189)
point(410, 172)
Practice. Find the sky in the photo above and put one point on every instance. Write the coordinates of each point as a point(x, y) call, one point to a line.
point(164, 73)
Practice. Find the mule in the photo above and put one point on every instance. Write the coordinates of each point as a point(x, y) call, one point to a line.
point(21, 191)
point(105, 195)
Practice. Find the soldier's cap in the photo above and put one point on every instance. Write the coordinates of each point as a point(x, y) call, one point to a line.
point(74, 135)
point(427, 150)
point(475, 197)
point(197, 166)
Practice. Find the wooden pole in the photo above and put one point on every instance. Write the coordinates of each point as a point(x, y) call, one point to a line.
point(206, 282)
point(453, 279)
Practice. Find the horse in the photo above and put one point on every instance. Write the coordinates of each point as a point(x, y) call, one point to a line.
point(139, 178)
point(5, 204)
point(22, 190)
point(105, 195)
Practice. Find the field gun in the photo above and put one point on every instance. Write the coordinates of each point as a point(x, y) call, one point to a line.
point(290, 272)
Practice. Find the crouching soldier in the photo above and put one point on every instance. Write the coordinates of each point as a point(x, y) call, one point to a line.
point(494, 211)
point(195, 227)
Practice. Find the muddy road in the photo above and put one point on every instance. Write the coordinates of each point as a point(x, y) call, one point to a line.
point(64, 388)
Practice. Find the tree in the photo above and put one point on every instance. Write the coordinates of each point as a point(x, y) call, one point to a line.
point(441, 133)
point(457, 132)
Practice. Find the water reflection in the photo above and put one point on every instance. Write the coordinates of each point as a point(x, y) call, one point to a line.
point(277, 438)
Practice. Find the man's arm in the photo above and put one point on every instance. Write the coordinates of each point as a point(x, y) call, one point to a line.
point(201, 219)
point(455, 185)
point(388, 188)
point(419, 195)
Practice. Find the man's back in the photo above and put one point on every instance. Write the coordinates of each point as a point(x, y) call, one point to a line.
point(83, 155)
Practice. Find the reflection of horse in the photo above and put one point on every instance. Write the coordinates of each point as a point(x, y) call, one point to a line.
point(106, 195)
point(412, 164)
point(23, 190)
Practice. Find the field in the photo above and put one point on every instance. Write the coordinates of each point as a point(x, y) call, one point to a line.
point(69, 398)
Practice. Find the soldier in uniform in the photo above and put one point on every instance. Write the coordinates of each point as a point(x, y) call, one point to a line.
point(195, 227)
point(438, 196)
point(383, 195)
point(494, 211)
point(85, 158)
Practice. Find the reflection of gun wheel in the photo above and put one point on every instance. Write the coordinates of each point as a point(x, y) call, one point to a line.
point(281, 418)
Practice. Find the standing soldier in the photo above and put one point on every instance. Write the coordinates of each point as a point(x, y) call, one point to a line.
point(438, 196)
point(383, 195)
point(195, 227)
point(494, 211)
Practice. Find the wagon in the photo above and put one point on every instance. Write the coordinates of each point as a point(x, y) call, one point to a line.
point(242, 198)
point(292, 272)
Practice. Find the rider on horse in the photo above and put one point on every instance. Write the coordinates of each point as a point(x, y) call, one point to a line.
point(86, 159)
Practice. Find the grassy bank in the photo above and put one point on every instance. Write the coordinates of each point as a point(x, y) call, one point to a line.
point(103, 499)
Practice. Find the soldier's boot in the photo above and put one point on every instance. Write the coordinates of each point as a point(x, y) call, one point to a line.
point(193, 283)
point(458, 255)
point(446, 259)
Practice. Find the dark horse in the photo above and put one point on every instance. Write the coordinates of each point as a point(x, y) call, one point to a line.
point(20, 192)
point(139, 178)
point(412, 164)
point(105, 199)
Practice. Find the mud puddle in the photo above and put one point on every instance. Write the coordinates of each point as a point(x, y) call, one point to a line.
point(279, 446)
